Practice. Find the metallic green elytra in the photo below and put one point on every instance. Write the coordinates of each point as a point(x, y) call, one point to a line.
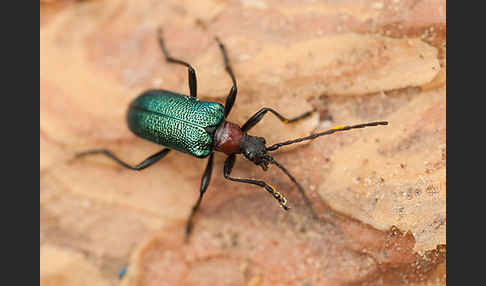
point(176, 121)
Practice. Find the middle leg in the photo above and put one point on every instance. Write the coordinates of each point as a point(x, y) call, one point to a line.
point(230, 99)
point(204, 185)
point(190, 70)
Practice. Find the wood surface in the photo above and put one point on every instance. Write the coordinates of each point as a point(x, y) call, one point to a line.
point(380, 192)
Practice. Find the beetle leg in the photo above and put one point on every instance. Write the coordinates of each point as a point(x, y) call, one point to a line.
point(191, 72)
point(228, 166)
point(204, 185)
point(259, 115)
point(146, 163)
point(230, 99)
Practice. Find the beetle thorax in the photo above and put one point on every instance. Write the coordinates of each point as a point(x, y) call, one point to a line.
point(228, 138)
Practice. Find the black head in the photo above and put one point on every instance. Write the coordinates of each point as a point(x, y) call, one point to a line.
point(253, 148)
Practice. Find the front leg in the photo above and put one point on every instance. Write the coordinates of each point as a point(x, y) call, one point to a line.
point(204, 185)
point(259, 115)
point(228, 166)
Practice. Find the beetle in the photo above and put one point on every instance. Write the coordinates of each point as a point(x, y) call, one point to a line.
point(199, 128)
